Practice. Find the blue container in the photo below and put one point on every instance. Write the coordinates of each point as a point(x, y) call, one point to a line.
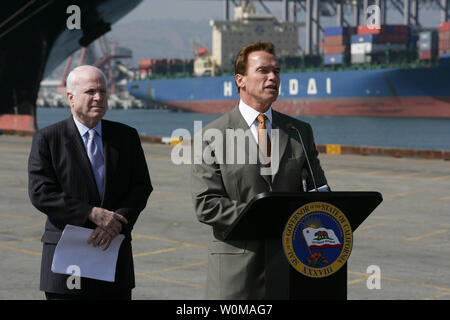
point(360, 38)
point(444, 59)
point(333, 31)
point(333, 59)
point(338, 31)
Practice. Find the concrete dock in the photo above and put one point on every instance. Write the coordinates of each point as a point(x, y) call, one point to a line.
point(407, 237)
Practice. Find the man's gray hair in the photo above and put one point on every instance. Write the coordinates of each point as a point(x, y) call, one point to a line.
point(71, 81)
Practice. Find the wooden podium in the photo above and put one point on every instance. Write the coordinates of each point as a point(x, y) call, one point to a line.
point(265, 217)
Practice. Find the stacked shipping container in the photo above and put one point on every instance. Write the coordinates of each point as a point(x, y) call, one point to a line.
point(444, 39)
point(427, 45)
point(149, 67)
point(371, 42)
point(336, 45)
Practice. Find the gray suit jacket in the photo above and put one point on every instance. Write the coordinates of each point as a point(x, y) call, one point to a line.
point(237, 269)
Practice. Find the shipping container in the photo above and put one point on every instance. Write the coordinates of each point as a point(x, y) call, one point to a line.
point(338, 31)
point(367, 47)
point(160, 62)
point(425, 36)
point(358, 38)
point(333, 59)
point(426, 46)
point(331, 50)
point(360, 48)
point(335, 40)
point(397, 28)
point(371, 29)
point(444, 59)
point(145, 63)
point(396, 46)
point(444, 44)
point(393, 38)
point(444, 26)
point(426, 55)
point(444, 35)
point(360, 58)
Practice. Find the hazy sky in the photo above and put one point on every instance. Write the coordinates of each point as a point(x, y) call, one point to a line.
point(177, 9)
point(197, 10)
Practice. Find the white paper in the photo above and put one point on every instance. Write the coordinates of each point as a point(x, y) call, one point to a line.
point(323, 188)
point(92, 262)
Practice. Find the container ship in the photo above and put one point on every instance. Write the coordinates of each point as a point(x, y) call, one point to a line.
point(368, 70)
point(35, 37)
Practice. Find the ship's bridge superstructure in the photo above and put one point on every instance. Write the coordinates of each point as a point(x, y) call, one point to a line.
point(228, 37)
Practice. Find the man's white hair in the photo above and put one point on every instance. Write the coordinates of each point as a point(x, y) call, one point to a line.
point(72, 78)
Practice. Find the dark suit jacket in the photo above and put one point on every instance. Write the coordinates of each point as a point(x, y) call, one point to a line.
point(221, 191)
point(62, 185)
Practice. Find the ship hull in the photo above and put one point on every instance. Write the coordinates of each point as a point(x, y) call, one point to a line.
point(416, 107)
point(415, 92)
point(34, 39)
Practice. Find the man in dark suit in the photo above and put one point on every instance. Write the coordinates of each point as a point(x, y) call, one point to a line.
point(92, 173)
point(222, 188)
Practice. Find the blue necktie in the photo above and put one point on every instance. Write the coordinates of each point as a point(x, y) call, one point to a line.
point(97, 161)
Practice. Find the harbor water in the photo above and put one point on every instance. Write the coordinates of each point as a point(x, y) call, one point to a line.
point(411, 133)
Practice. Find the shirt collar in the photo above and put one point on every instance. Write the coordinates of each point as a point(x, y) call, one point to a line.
point(251, 114)
point(82, 129)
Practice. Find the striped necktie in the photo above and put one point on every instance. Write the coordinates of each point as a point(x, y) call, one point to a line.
point(97, 161)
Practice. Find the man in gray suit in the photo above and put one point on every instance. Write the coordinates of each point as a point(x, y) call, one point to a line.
point(222, 186)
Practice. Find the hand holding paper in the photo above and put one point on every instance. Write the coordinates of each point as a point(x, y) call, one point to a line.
point(73, 250)
point(108, 220)
point(100, 237)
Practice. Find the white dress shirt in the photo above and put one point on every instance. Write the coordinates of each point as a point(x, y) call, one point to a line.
point(250, 116)
point(82, 129)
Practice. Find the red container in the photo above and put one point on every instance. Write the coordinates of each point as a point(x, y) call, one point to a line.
point(371, 29)
point(335, 40)
point(444, 44)
point(425, 55)
point(160, 62)
point(444, 26)
point(175, 61)
point(400, 29)
point(444, 35)
point(393, 38)
point(334, 49)
point(145, 63)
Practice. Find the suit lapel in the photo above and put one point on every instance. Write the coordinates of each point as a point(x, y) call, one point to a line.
point(237, 121)
point(77, 153)
point(111, 153)
point(283, 137)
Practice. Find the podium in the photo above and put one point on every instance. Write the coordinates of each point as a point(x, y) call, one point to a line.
point(265, 218)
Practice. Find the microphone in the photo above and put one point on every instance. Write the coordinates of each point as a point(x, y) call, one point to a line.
point(304, 178)
point(307, 161)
